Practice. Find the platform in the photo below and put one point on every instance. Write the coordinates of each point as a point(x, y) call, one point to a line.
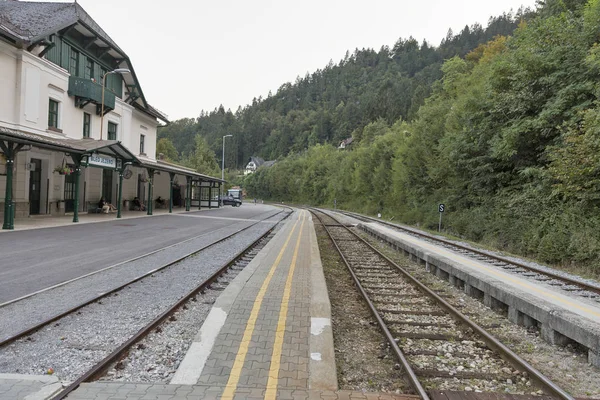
point(267, 336)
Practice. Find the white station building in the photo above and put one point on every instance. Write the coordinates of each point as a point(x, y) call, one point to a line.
point(67, 139)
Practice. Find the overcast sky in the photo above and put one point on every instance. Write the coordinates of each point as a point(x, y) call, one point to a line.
point(194, 54)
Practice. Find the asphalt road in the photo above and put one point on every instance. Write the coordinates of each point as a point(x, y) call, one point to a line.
point(31, 260)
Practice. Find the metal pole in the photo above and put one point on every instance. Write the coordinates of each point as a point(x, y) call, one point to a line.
point(8, 211)
point(440, 224)
point(77, 161)
point(188, 193)
point(172, 176)
point(150, 184)
point(222, 175)
point(120, 200)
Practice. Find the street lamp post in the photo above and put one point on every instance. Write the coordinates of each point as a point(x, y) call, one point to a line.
point(223, 171)
point(116, 71)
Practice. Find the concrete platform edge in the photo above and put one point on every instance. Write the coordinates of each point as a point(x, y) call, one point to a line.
point(322, 369)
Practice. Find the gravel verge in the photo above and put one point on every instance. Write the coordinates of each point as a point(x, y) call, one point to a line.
point(75, 343)
point(566, 366)
point(22, 314)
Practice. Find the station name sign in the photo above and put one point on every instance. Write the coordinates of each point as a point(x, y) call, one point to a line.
point(103, 161)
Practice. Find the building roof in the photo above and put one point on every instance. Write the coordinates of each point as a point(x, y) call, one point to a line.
point(88, 146)
point(32, 20)
point(257, 161)
point(25, 23)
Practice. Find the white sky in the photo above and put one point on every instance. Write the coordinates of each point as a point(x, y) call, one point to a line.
point(194, 54)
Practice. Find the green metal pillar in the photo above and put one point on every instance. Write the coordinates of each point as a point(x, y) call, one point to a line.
point(150, 204)
point(188, 193)
point(10, 151)
point(210, 196)
point(120, 198)
point(221, 194)
point(171, 179)
point(199, 186)
point(77, 161)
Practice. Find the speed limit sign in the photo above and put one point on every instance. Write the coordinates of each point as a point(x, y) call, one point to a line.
point(441, 207)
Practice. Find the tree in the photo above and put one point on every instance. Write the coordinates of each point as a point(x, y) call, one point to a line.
point(166, 147)
point(202, 159)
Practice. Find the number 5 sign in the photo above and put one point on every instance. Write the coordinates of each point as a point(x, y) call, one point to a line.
point(441, 209)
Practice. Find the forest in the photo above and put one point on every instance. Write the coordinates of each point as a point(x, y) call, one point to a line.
point(501, 124)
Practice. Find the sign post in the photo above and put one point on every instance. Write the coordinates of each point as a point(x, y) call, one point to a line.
point(335, 204)
point(441, 209)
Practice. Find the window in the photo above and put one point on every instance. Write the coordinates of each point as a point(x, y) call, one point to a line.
point(112, 131)
point(89, 69)
point(53, 114)
point(87, 120)
point(142, 142)
point(74, 62)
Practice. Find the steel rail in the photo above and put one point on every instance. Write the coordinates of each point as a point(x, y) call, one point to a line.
point(583, 285)
point(412, 377)
point(97, 370)
point(489, 339)
point(56, 317)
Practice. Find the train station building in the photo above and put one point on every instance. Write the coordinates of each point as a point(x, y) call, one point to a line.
point(75, 125)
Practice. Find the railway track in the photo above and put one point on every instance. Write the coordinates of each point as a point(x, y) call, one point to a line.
point(35, 327)
point(120, 349)
point(573, 286)
point(437, 346)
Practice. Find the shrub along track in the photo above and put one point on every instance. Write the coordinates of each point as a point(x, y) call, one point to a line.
point(436, 344)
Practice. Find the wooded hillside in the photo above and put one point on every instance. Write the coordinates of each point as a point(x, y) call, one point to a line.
point(508, 140)
point(503, 129)
point(333, 103)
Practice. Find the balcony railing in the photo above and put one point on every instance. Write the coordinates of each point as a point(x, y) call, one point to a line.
point(87, 91)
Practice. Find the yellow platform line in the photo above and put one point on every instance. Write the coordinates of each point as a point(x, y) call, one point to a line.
point(271, 392)
point(236, 370)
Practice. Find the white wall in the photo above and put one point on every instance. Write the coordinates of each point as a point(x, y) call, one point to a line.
point(27, 82)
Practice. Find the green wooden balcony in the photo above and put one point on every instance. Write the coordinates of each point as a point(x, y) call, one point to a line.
point(87, 91)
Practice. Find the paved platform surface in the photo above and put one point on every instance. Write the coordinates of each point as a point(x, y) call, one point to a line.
point(36, 259)
point(28, 387)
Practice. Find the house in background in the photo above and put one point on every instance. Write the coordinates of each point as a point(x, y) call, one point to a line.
point(345, 143)
point(255, 163)
point(66, 138)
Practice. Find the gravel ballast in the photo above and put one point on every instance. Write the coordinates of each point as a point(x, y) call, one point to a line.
point(566, 366)
point(25, 313)
point(76, 342)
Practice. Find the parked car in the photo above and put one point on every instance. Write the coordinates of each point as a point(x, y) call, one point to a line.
point(230, 201)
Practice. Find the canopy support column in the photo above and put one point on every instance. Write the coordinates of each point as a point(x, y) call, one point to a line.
point(188, 193)
point(150, 204)
point(210, 197)
point(222, 194)
point(10, 151)
point(199, 186)
point(120, 199)
point(171, 180)
point(77, 161)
